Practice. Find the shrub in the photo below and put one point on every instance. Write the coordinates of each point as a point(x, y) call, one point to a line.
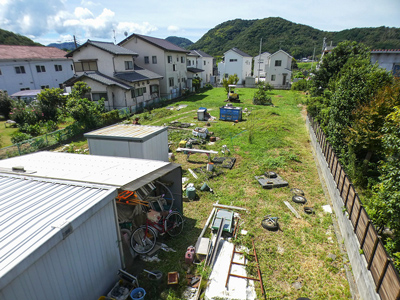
point(301, 85)
point(18, 137)
point(261, 97)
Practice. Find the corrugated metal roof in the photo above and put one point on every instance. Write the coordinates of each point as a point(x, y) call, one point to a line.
point(36, 214)
point(376, 51)
point(31, 52)
point(26, 93)
point(107, 170)
point(126, 131)
point(194, 70)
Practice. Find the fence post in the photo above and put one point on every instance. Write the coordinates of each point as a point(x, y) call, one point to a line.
point(352, 206)
point(373, 252)
point(19, 150)
point(365, 234)
point(344, 180)
point(378, 285)
point(334, 176)
point(358, 218)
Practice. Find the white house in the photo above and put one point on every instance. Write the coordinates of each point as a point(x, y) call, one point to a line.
point(278, 69)
point(204, 61)
point(388, 59)
point(113, 74)
point(161, 57)
point(32, 68)
point(237, 62)
point(260, 63)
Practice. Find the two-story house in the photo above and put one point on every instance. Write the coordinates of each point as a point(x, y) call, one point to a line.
point(32, 68)
point(112, 73)
point(237, 62)
point(276, 68)
point(260, 62)
point(161, 57)
point(204, 61)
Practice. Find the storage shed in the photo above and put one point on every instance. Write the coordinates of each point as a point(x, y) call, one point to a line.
point(59, 231)
point(128, 140)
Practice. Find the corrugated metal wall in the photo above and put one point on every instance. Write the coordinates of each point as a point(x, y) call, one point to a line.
point(83, 266)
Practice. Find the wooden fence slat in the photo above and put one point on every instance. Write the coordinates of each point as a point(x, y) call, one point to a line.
point(344, 181)
point(365, 234)
point(373, 252)
point(358, 217)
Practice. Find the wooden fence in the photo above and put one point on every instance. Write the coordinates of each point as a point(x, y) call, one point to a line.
point(386, 277)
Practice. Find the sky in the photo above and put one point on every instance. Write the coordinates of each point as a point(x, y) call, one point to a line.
point(55, 21)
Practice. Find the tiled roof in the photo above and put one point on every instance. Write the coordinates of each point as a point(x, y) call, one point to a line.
point(195, 70)
point(161, 43)
point(30, 52)
point(99, 77)
point(202, 53)
point(240, 52)
point(193, 53)
point(385, 51)
point(106, 46)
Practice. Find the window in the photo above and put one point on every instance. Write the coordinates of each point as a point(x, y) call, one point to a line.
point(278, 63)
point(154, 59)
point(58, 68)
point(0, 71)
point(169, 59)
point(44, 87)
point(226, 75)
point(20, 70)
point(138, 92)
point(85, 66)
point(40, 69)
point(146, 60)
point(188, 62)
point(98, 96)
point(24, 89)
point(174, 67)
point(171, 81)
point(233, 60)
point(182, 59)
point(204, 63)
point(154, 89)
point(129, 65)
point(273, 77)
point(177, 58)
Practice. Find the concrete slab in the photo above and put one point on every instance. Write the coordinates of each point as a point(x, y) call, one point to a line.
point(238, 288)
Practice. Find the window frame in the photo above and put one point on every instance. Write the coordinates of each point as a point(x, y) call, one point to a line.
point(20, 69)
point(58, 68)
point(278, 63)
point(169, 59)
point(100, 95)
point(154, 59)
point(40, 69)
point(273, 77)
point(128, 65)
point(146, 60)
point(171, 81)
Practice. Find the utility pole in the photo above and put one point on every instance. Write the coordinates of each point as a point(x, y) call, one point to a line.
point(76, 46)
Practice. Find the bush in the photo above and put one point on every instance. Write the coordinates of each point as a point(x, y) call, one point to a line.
point(18, 137)
point(301, 85)
point(261, 97)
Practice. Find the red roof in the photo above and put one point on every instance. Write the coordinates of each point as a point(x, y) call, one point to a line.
point(30, 52)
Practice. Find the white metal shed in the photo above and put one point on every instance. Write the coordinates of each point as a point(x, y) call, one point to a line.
point(58, 229)
point(128, 140)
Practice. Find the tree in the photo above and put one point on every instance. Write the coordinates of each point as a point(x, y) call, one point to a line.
point(196, 81)
point(333, 62)
point(232, 79)
point(83, 110)
point(261, 97)
point(5, 104)
point(51, 102)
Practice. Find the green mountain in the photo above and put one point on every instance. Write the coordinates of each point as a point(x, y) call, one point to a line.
point(296, 39)
point(179, 41)
point(10, 38)
point(67, 46)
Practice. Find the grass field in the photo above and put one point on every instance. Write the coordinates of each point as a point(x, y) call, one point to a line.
point(302, 259)
point(5, 134)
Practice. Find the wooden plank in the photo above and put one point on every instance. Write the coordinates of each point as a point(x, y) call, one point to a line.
point(292, 209)
point(229, 207)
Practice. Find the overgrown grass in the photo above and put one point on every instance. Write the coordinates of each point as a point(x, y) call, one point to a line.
point(5, 134)
point(270, 138)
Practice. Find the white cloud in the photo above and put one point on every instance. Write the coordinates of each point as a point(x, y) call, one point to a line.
point(82, 13)
point(130, 27)
point(173, 28)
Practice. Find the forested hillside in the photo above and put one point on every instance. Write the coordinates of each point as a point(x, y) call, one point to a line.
point(179, 41)
point(10, 38)
point(296, 39)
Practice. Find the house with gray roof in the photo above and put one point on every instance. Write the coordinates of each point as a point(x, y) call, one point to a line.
point(237, 62)
point(162, 57)
point(388, 59)
point(201, 64)
point(113, 73)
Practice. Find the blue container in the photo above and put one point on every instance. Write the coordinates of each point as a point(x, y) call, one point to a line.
point(138, 294)
point(230, 113)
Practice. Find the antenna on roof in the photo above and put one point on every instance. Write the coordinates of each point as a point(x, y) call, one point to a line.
point(126, 33)
point(115, 41)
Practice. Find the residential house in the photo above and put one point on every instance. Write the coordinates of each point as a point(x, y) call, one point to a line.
point(260, 63)
point(112, 73)
point(278, 69)
point(192, 70)
point(237, 62)
point(161, 57)
point(388, 59)
point(32, 68)
point(205, 62)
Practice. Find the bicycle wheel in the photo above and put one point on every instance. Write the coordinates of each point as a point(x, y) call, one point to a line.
point(174, 223)
point(143, 239)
